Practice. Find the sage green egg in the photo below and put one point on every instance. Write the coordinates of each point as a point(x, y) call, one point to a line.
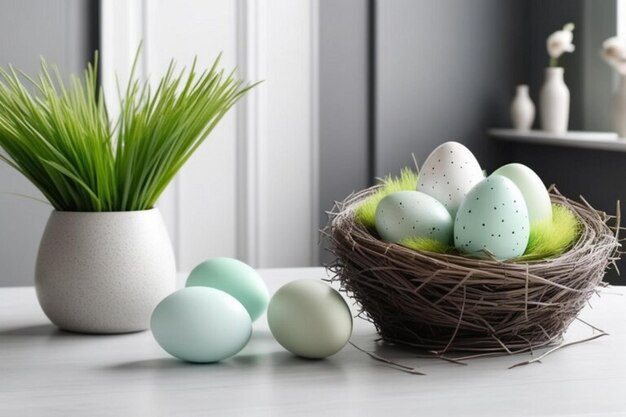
point(310, 319)
point(201, 325)
point(409, 214)
point(534, 191)
point(237, 279)
point(492, 217)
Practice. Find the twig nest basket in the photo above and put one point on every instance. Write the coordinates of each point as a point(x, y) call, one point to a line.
point(446, 302)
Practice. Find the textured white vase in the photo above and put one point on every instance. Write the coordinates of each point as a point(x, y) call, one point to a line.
point(620, 108)
point(522, 109)
point(104, 272)
point(554, 102)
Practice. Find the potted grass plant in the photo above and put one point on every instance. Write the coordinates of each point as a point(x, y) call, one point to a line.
point(105, 258)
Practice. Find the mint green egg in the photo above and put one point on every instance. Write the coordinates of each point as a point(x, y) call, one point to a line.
point(532, 188)
point(413, 214)
point(201, 325)
point(235, 278)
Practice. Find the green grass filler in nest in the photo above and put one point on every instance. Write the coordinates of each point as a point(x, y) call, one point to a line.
point(366, 211)
point(547, 239)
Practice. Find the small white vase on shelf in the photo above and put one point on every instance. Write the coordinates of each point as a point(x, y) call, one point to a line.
point(522, 109)
point(620, 108)
point(554, 102)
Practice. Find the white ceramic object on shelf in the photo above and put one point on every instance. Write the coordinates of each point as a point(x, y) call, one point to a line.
point(522, 109)
point(104, 272)
point(620, 108)
point(554, 102)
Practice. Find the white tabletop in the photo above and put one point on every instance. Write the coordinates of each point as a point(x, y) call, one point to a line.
point(46, 372)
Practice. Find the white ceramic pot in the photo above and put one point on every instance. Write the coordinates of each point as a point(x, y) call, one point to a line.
point(620, 108)
point(554, 102)
point(104, 272)
point(522, 109)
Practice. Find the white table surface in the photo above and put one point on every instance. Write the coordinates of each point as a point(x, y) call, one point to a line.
point(47, 372)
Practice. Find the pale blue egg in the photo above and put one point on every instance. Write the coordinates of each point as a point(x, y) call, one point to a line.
point(409, 214)
point(237, 279)
point(199, 324)
point(494, 218)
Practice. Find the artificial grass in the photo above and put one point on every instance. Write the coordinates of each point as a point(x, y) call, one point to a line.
point(366, 211)
point(426, 245)
point(552, 238)
point(547, 239)
point(60, 136)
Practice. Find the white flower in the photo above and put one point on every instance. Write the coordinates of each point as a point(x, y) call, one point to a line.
point(561, 41)
point(614, 53)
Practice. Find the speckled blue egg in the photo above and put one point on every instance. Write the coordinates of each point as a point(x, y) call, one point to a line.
point(494, 218)
point(202, 325)
point(407, 214)
point(235, 278)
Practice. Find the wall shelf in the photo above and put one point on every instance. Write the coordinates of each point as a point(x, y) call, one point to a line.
point(606, 141)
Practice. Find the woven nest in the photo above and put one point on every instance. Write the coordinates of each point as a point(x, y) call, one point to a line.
point(446, 302)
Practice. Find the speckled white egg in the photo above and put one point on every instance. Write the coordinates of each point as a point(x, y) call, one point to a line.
point(449, 172)
point(406, 214)
point(534, 191)
point(493, 217)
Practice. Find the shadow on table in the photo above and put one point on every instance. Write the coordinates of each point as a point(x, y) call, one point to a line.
point(274, 362)
point(283, 359)
point(154, 364)
point(49, 330)
point(38, 330)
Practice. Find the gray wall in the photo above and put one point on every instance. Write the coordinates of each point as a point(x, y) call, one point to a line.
point(599, 23)
point(599, 176)
point(63, 32)
point(343, 102)
point(446, 70)
point(589, 78)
